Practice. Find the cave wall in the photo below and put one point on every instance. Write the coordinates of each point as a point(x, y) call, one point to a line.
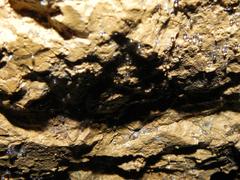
point(119, 89)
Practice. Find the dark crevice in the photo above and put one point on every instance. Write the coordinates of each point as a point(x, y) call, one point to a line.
point(173, 150)
point(2, 64)
point(213, 163)
point(85, 101)
point(71, 157)
point(109, 165)
point(4, 52)
point(232, 175)
point(17, 96)
point(83, 97)
point(227, 154)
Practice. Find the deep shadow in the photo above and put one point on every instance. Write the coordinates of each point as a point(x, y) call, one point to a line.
point(84, 98)
point(232, 175)
point(70, 156)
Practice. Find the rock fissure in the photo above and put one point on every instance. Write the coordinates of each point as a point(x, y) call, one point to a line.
point(119, 89)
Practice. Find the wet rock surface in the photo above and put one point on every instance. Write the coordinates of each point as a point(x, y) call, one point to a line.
point(120, 89)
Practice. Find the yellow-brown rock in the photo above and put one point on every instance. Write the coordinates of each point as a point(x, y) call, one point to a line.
point(119, 89)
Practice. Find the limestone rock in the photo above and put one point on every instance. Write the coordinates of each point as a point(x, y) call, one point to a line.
point(119, 89)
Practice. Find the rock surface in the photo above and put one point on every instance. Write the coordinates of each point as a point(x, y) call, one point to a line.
point(119, 89)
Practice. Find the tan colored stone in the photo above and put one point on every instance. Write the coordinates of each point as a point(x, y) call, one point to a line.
point(10, 78)
point(229, 2)
point(234, 68)
point(119, 89)
point(35, 90)
point(232, 90)
point(133, 165)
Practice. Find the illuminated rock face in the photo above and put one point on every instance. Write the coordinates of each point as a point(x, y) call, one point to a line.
point(120, 89)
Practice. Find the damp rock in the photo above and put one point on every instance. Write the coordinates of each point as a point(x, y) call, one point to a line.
point(119, 89)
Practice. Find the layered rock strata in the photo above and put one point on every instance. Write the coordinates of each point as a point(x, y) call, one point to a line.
point(119, 89)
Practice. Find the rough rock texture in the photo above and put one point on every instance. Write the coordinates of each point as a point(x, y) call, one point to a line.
point(120, 89)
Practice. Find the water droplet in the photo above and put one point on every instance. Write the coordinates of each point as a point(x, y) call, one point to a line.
point(195, 40)
point(143, 131)
point(176, 3)
point(175, 60)
point(10, 57)
point(7, 172)
point(54, 81)
point(4, 44)
point(207, 125)
point(21, 152)
point(128, 60)
point(10, 151)
point(139, 46)
point(147, 90)
point(68, 96)
point(134, 135)
point(200, 42)
point(143, 5)
point(158, 139)
point(157, 42)
point(102, 33)
point(229, 9)
point(44, 2)
point(168, 158)
point(224, 50)
point(213, 55)
point(185, 36)
point(236, 47)
point(232, 22)
point(168, 167)
point(190, 24)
